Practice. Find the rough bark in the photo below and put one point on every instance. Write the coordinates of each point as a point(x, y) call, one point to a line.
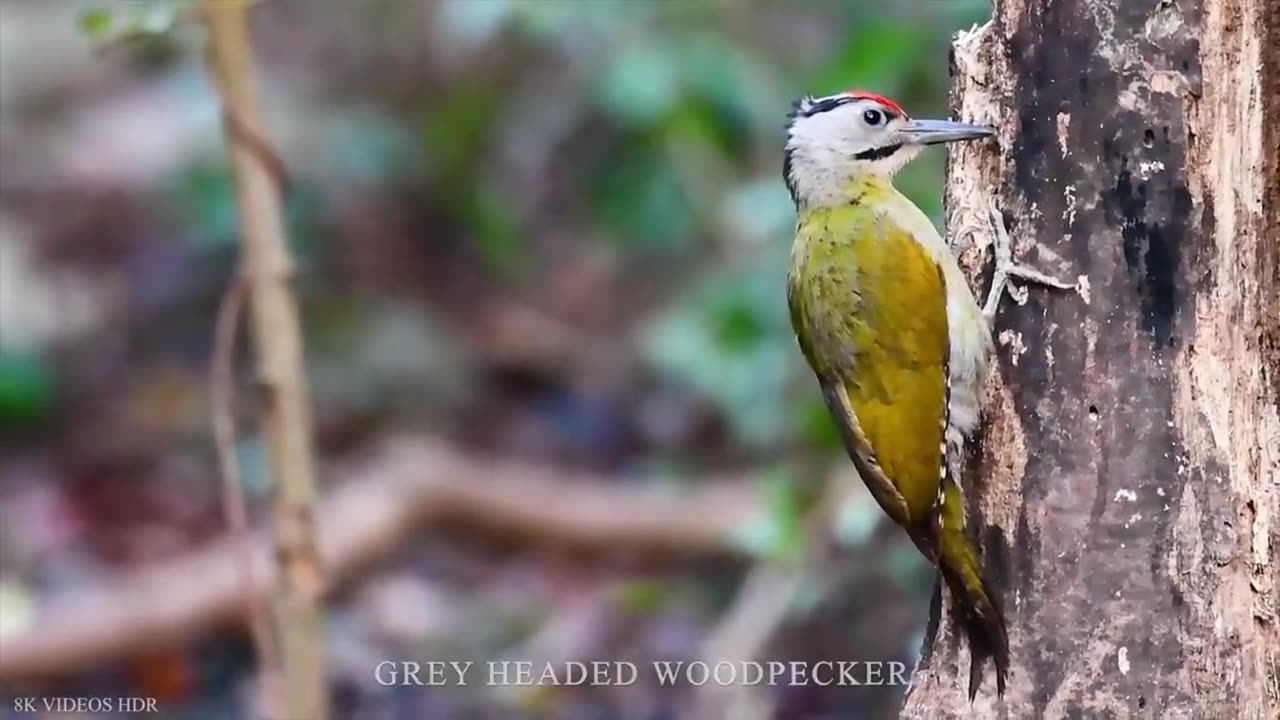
point(1126, 487)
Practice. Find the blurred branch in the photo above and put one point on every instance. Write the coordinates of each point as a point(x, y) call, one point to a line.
point(766, 598)
point(222, 404)
point(412, 484)
point(278, 341)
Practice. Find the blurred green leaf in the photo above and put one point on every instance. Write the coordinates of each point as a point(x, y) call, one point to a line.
point(640, 85)
point(814, 425)
point(643, 597)
point(495, 232)
point(876, 56)
point(205, 195)
point(95, 23)
point(640, 198)
point(778, 534)
point(145, 27)
point(737, 327)
point(714, 73)
point(731, 341)
point(454, 136)
point(784, 500)
point(455, 129)
point(27, 388)
point(692, 131)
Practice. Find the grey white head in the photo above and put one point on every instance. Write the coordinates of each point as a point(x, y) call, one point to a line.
point(834, 139)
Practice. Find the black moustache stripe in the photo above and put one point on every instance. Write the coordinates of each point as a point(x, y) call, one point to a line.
point(877, 153)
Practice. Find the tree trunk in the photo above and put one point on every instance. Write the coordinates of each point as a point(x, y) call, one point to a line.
point(1126, 489)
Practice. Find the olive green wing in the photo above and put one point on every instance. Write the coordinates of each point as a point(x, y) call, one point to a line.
point(890, 402)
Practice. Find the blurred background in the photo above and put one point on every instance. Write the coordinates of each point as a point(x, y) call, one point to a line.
point(537, 234)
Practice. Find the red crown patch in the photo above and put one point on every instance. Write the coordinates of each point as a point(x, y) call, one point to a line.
point(889, 104)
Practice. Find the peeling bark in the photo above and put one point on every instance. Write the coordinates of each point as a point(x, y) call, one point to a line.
point(1126, 489)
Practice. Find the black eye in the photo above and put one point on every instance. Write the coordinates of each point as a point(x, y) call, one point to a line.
point(873, 117)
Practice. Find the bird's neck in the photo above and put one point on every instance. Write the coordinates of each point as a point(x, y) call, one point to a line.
point(853, 189)
point(824, 176)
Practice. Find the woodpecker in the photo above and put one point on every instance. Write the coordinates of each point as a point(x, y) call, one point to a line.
point(893, 333)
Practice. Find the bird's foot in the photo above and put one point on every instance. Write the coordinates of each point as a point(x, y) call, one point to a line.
point(1006, 270)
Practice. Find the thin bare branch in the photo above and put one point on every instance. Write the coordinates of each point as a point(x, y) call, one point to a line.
point(222, 408)
point(278, 345)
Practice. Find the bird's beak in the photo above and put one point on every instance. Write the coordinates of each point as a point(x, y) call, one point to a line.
point(932, 132)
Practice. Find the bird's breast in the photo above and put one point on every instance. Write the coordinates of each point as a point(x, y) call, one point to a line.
point(859, 275)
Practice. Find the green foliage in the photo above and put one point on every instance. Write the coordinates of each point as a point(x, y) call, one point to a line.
point(641, 85)
point(456, 128)
point(694, 97)
point(454, 136)
point(203, 193)
point(642, 201)
point(731, 341)
point(665, 138)
point(779, 534)
point(876, 55)
point(27, 388)
point(95, 23)
point(494, 231)
point(643, 597)
point(814, 425)
point(145, 25)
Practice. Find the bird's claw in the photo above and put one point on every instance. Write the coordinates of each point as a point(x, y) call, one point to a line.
point(1006, 270)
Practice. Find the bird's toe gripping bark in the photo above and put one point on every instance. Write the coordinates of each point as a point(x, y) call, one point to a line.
point(1006, 270)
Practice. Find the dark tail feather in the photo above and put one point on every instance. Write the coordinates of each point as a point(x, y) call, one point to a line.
point(978, 614)
point(973, 603)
